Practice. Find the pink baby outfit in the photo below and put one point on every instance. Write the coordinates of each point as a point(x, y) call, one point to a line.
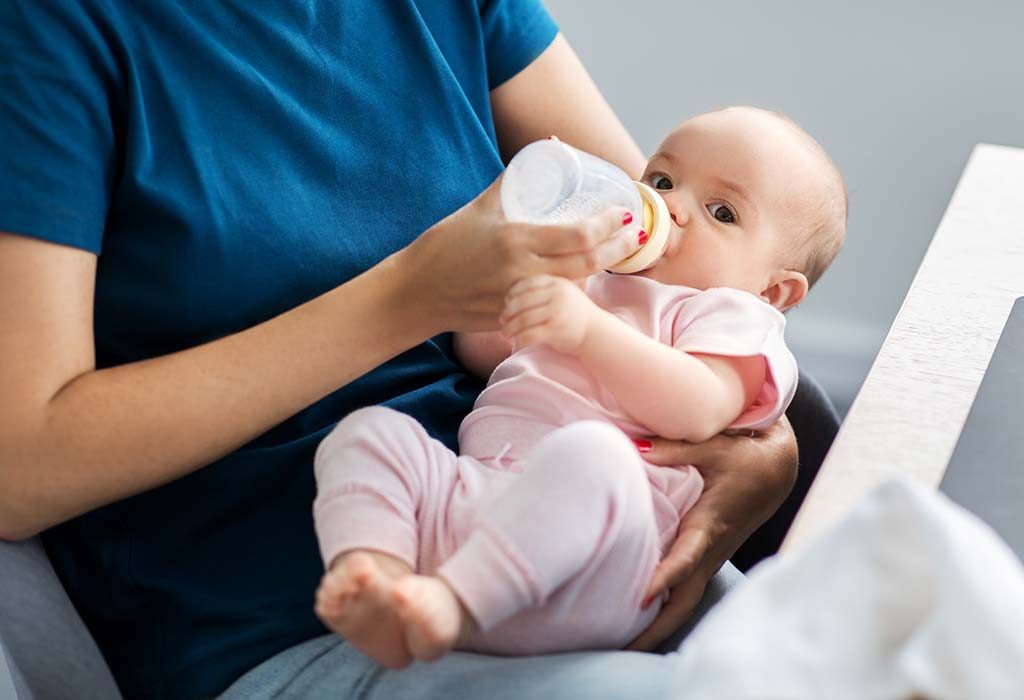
point(549, 525)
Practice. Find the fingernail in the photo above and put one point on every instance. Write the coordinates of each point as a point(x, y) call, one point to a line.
point(643, 445)
point(647, 602)
point(627, 218)
point(642, 237)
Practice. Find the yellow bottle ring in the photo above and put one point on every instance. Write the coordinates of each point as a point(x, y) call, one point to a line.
point(656, 224)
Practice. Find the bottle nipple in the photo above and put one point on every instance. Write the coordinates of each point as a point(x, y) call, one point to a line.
point(656, 224)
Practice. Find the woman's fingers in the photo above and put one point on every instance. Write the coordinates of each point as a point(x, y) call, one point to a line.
point(580, 237)
point(681, 563)
point(605, 255)
point(578, 250)
point(676, 611)
point(672, 452)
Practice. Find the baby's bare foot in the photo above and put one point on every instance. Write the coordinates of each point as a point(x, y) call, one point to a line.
point(355, 599)
point(434, 619)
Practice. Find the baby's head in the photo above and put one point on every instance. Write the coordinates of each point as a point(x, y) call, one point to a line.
point(756, 205)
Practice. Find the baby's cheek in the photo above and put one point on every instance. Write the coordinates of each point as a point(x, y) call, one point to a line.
point(698, 271)
point(712, 266)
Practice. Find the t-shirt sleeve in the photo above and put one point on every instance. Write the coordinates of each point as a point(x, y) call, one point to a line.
point(515, 33)
point(56, 129)
point(733, 323)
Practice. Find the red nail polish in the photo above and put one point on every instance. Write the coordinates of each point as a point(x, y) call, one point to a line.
point(643, 445)
point(643, 237)
point(627, 218)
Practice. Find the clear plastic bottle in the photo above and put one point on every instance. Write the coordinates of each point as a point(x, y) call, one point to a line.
point(551, 182)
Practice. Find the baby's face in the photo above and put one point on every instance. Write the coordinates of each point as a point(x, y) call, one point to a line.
point(736, 183)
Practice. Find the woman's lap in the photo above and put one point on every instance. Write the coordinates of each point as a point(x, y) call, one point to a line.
point(326, 667)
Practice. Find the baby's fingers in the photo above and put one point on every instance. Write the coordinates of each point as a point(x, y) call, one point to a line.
point(529, 284)
point(526, 320)
point(525, 301)
point(535, 335)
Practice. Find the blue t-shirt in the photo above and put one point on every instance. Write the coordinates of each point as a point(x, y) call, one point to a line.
point(228, 161)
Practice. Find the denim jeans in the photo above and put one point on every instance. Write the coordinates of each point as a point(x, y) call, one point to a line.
point(327, 667)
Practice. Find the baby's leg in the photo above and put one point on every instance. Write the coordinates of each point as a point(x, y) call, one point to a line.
point(569, 546)
point(381, 483)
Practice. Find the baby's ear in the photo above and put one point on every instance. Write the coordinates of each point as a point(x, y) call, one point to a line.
point(785, 289)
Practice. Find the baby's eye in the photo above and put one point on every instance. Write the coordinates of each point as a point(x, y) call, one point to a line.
point(722, 213)
point(660, 182)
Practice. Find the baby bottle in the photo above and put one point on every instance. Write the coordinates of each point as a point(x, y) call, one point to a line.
point(550, 182)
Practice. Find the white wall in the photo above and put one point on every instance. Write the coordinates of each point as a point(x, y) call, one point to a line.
point(897, 92)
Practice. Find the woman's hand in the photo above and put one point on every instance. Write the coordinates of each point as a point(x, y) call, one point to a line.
point(460, 270)
point(745, 480)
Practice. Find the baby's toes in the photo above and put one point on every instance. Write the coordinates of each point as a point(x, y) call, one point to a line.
point(330, 604)
point(359, 568)
point(405, 596)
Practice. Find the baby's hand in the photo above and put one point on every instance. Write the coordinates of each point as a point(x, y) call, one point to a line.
point(547, 309)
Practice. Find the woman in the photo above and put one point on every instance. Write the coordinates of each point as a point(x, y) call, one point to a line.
point(213, 253)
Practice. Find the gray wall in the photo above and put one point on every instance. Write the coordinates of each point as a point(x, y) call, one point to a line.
point(898, 92)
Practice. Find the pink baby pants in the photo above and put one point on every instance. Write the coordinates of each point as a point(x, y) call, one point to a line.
point(549, 554)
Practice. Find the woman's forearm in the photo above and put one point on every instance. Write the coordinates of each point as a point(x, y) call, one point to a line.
point(111, 433)
point(73, 438)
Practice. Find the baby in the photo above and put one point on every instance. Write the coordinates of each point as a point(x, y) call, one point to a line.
point(543, 534)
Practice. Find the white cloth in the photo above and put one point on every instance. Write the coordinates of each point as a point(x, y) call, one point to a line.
point(908, 596)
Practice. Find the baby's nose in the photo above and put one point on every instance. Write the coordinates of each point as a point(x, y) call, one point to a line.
point(680, 216)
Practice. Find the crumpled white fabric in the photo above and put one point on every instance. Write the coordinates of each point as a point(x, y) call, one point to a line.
point(908, 596)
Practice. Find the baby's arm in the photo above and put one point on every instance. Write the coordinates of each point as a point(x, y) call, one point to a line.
point(480, 353)
point(674, 394)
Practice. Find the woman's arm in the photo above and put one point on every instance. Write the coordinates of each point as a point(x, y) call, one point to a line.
point(556, 95)
point(73, 437)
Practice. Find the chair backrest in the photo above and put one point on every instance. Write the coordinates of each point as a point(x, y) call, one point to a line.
point(45, 650)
